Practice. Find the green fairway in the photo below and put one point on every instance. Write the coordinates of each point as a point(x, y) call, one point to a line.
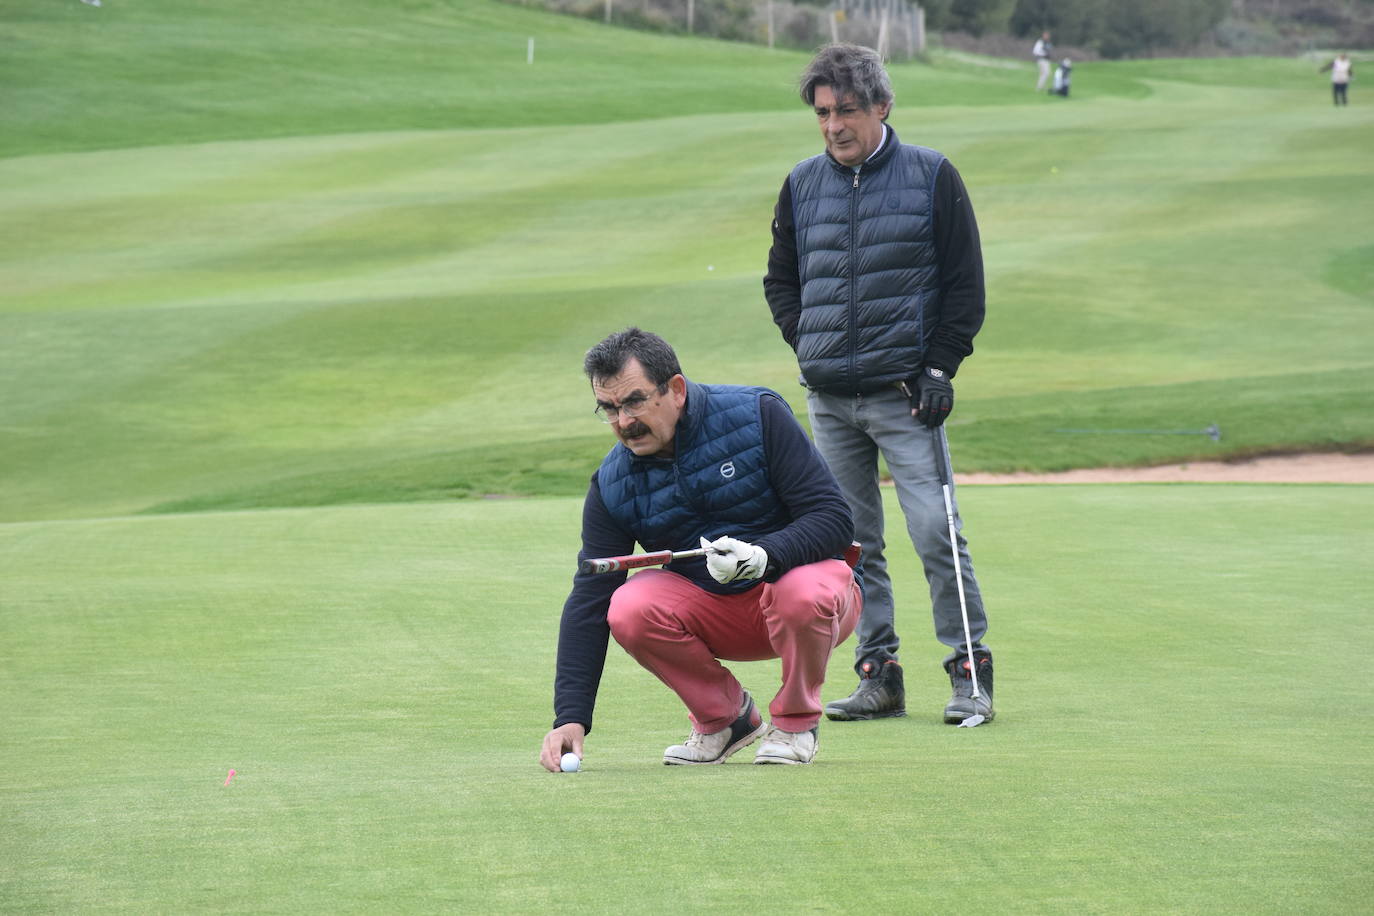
point(350, 292)
point(1182, 723)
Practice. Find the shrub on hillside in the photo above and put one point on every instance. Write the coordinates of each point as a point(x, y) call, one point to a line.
point(802, 24)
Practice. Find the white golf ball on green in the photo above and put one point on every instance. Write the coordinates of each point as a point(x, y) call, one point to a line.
point(570, 763)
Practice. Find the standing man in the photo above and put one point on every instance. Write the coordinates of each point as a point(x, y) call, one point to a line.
point(730, 468)
point(1041, 52)
point(875, 279)
point(1341, 70)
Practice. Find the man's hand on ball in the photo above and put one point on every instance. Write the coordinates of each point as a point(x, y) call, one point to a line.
point(566, 739)
point(933, 397)
point(728, 559)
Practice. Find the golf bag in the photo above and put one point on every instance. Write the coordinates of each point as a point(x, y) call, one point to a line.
point(1061, 78)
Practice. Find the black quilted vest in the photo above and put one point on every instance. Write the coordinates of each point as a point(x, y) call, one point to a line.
point(867, 261)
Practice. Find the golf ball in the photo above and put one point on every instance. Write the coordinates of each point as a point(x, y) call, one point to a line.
point(571, 763)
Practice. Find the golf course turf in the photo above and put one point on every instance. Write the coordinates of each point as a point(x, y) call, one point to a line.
point(293, 437)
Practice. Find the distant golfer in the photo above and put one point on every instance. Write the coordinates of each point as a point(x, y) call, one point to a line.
point(1042, 52)
point(730, 466)
point(1341, 71)
point(875, 279)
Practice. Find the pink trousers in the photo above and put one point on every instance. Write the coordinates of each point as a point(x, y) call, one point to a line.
point(679, 632)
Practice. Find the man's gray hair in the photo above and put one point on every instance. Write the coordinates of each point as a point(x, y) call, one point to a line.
point(848, 70)
point(607, 359)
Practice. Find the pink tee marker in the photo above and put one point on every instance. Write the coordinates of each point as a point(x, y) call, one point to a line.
point(229, 777)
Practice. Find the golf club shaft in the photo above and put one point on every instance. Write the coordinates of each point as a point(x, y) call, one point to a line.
point(946, 479)
point(597, 565)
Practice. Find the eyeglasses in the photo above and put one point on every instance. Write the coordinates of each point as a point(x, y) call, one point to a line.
point(633, 406)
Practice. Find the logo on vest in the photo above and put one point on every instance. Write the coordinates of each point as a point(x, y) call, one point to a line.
point(727, 470)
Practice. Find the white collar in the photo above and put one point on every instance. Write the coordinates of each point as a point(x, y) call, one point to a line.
point(886, 130)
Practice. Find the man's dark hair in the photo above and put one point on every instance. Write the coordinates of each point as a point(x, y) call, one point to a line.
point(607, 359)
point(848, 70)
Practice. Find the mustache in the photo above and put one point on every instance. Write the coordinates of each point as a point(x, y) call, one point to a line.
point(638, 429)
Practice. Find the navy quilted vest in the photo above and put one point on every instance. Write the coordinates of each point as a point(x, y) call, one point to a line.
point(867, 260)
point(715, 484)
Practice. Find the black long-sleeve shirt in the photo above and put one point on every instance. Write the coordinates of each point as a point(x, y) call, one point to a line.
point(821, 526)
point(962, 298)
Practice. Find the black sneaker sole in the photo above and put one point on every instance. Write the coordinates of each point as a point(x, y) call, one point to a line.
point(841, 715)
point(955, 720)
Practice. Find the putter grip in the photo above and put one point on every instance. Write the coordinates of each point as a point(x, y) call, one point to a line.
point(596, 566)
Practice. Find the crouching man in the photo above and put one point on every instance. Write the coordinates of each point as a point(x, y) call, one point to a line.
point(728, 468)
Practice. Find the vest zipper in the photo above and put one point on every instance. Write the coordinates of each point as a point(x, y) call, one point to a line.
point(853, 278)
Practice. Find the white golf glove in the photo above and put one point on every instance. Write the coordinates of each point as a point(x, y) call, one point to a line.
point(728, 559)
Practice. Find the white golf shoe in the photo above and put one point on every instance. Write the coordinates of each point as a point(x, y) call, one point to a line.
point(788, 747)
point(718, 746)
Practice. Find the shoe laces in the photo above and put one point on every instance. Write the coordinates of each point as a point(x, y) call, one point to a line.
point(695, 739)
point(778, 736)
point(963, 685)
point(872, 676)
point(962, 666)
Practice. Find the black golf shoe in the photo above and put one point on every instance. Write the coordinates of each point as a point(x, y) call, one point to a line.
point(880, 694)
point(962, 704)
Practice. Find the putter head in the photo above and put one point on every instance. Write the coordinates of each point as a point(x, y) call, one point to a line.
point(973, 721)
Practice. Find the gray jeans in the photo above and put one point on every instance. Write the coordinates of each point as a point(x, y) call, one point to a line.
point(850, 431)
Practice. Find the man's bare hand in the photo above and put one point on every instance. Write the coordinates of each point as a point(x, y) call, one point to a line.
point(558, 742)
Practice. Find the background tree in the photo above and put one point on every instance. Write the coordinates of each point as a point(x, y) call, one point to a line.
point(1120, 28)
point(978, 17)
point(1071, 22)
point(1140, 27)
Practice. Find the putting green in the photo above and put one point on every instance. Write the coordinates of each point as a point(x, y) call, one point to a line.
point(1178, 726)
